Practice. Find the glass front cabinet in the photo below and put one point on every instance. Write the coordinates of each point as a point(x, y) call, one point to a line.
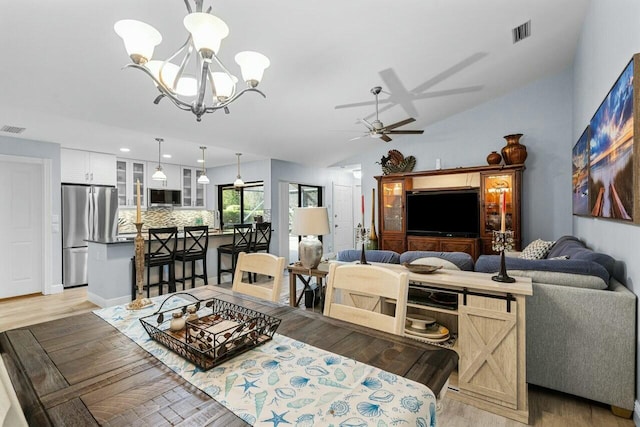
point(128, 172)
point(193, 194)
point(391, 193)
point(495, 186)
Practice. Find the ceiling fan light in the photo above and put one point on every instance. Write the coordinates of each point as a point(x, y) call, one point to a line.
point(252, 65)
point(238, 183)
point(158, 175)
point(140, 39)
point(207, 32)
point(225, 84)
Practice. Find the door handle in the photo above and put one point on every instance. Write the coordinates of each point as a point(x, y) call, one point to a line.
point(86, 176)
point(91, 176)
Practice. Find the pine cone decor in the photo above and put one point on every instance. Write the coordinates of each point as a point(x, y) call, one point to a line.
point(395, 162)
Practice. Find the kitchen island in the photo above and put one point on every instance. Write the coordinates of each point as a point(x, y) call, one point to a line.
point(110, 266)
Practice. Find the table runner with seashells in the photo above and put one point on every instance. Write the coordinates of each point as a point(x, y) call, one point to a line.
point(285, 381)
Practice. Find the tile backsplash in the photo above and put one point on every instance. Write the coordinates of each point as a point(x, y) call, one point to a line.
point(163, 217)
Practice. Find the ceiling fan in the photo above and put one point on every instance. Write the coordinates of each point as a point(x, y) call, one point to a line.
point(376, 129)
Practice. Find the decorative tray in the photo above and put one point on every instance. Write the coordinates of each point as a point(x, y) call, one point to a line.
point(421, 268)
point(222, 331)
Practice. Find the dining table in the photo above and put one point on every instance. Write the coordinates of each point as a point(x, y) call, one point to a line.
point(82, 371)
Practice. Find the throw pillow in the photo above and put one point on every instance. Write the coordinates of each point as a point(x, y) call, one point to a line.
point(447, 265)
point(537, 249)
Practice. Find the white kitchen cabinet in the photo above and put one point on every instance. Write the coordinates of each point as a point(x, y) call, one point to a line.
point(87, 167)
point(193, 194)
point(128, 173)
point(171, 171)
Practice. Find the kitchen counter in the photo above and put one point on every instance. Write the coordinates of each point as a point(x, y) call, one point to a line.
point(110, 266)
point(129, 237)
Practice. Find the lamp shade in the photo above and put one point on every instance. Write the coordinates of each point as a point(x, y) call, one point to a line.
point(206, 30)
point(252, 65)
point(204, 180)
point(224, 84)
point(158, 175)
point(310, 221)
point(139, 38)
point(166, 72)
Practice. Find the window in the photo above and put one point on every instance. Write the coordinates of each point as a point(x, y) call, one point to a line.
point(242, 205)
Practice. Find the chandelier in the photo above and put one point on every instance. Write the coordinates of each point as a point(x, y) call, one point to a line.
point(201, 49)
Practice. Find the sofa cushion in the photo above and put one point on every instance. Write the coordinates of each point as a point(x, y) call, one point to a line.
point(573, 248)
point(438, 262)
point(349, 255)
point(537, 249)
point(491, 264)
point(461, 259)
point(562, 279)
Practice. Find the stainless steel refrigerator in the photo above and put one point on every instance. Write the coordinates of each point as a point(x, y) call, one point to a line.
point(88, 213)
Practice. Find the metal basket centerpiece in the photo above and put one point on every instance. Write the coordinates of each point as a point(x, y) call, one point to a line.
point(227, 331)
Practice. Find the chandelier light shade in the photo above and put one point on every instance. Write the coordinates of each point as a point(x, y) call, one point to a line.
point(193, 85)
point(203, 179)
point(238, 183)
point(159, 175)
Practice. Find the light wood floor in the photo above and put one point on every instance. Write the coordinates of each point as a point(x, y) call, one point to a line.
point(547, 407)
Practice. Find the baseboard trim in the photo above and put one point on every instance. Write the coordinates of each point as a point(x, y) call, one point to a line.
point(636, 413)
point(102, 302)
point(56, 289)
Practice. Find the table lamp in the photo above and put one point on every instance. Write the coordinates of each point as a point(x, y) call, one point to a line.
point(310, 223)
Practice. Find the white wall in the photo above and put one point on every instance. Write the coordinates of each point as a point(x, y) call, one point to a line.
point(610, 36)
point(541, 111)
point(42, 150)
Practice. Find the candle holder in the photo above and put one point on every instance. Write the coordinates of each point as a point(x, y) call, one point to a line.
point(140, 302)
point(361, 235)
point(502, 240)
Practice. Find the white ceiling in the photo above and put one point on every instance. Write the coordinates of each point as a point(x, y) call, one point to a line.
point(61, 76)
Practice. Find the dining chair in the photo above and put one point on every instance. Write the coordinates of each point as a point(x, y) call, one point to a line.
point(195, 243)
point(260, 263)
point(242, 238)
point(161, 252)
point(356, 293)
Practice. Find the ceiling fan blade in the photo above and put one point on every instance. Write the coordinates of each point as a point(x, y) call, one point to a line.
point(400, 123)
point(406, 132)
point(355, 104)
point(368, 124)
point(385, 138)
point(358, 137)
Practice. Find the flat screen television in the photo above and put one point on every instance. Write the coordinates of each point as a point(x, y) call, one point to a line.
point(454, 213)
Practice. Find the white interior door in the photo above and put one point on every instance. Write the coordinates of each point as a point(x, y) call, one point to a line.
point(21, 241)
point(342, 217)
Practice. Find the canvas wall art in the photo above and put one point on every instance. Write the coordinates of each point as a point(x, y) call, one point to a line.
point(580, 175)
point(611, 146)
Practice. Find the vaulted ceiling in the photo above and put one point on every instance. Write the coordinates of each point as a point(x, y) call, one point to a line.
point(62, 76)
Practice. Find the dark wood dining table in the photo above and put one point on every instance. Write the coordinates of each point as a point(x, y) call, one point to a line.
point(81, 371)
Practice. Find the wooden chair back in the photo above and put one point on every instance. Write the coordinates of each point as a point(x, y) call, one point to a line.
point(162, 243)
point(264, 264)
point(262, 240)
point(242, 236)
point(356, 293)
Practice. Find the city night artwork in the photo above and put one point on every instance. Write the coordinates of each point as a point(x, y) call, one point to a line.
point(580, 175)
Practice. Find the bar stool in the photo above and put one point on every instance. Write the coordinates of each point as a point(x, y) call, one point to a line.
point(262, 240)
point(161, 251)
point(242, 235)
point(194, 247)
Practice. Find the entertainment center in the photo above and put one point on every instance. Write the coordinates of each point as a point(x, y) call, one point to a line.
point(448, 210)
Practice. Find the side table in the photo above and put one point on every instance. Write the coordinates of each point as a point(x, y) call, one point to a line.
point(298, 271)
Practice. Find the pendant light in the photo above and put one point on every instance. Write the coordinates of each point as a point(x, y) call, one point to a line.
point(203, 179)
point(159, 175)
point(238, 183)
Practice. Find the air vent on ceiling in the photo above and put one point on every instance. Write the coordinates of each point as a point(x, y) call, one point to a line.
point(521, 32)
point(12, 129)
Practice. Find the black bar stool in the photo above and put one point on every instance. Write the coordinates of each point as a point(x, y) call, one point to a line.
point(194, 247)
point(161, 251)
point(262, 239)
point(242, 235)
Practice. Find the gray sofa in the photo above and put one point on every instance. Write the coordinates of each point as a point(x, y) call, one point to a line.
point(460, 260)
point(581, 323)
